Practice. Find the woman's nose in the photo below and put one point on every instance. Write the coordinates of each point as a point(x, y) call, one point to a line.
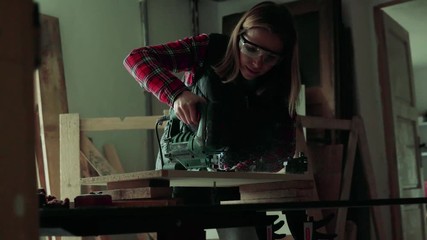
point(257, 61)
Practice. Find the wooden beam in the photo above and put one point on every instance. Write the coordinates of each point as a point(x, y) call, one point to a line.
point(53, 96)
point(115, 123)
point(113, 158)
point(95, 158)
point(69, 144)
point(140, 193)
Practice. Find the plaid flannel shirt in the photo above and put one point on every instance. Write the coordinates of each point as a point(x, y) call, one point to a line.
point(152, 66)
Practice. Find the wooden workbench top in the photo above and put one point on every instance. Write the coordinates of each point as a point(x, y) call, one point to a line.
point(198, 178)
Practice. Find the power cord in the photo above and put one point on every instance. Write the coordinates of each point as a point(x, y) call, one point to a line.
point(160, 122)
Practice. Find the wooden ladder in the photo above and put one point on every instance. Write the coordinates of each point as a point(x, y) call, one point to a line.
point(356, 140)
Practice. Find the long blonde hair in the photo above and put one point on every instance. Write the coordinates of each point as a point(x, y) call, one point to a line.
point(277, 19)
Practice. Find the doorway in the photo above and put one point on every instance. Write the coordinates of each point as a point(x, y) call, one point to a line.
point(400, 58)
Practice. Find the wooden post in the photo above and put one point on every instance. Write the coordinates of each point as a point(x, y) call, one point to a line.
point(69, 145)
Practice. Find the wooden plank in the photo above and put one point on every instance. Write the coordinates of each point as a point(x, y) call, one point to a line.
point(86, 170)
point(347, 177)
point(327, 168)
point(53, 95)
point(370, 178)
point(115, 123)
point(95, 158)
point(278, 193)
point(138, 183)
point(41, 174)
point(325, 123)
point(69, 156)
point(113, 158)
point(147, 202)
point(140, 193)
point(198, 178)
point(258, 187)
point(267, 200)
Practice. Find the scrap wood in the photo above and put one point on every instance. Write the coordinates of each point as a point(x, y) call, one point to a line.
point(147, 202)
point(266, 200)
point(41, 174)
point(137, 193)
point(298, 184)
point(95, 158)
point(138, 183)
point(86, 170)
point(280, 193)
point(327, 168)
point(113, 158)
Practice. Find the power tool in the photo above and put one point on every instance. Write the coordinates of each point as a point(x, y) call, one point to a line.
point(192, 148)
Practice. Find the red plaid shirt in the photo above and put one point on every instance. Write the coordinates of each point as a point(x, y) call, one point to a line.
point(152, 68)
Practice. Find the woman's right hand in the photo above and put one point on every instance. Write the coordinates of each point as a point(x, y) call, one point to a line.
point(185, 107)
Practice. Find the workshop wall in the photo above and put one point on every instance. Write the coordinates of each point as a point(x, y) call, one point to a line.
point(96, 35)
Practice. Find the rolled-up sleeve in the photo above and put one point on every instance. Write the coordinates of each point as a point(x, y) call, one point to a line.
point(153, 67)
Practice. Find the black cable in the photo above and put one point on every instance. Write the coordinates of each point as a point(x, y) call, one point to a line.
point(160, 122)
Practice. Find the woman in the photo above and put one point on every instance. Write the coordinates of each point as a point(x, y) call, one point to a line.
point(257, 63)
point(251, 76)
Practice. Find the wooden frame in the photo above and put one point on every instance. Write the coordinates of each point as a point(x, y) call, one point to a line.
point(357, 138)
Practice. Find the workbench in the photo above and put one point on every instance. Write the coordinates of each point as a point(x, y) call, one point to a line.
point(180, 178)
point(169, 221)
point(174, 219)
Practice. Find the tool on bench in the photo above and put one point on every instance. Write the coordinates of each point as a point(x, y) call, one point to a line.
point(199, 148)
point(191, 148)
point(296, 165)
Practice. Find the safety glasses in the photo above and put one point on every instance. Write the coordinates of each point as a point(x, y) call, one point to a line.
point(252, 50)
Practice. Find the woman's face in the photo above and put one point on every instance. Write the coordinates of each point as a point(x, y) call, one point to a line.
point(260, 51)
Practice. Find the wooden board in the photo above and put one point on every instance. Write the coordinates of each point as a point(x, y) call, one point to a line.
point(113, 157)
point(138, 183)
point(327, 168)
point(198, 178)
point(259, 187)
point(266, 200)
point(53, 95)
point(278, 193)
point(115, 123)
point(147, 202)
point(95, 158)
point(140, 193)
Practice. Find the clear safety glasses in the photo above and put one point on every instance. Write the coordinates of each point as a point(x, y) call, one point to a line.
point(252, 50)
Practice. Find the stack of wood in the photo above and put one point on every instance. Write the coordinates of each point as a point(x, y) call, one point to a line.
point(141, 192)
point(282, 191)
